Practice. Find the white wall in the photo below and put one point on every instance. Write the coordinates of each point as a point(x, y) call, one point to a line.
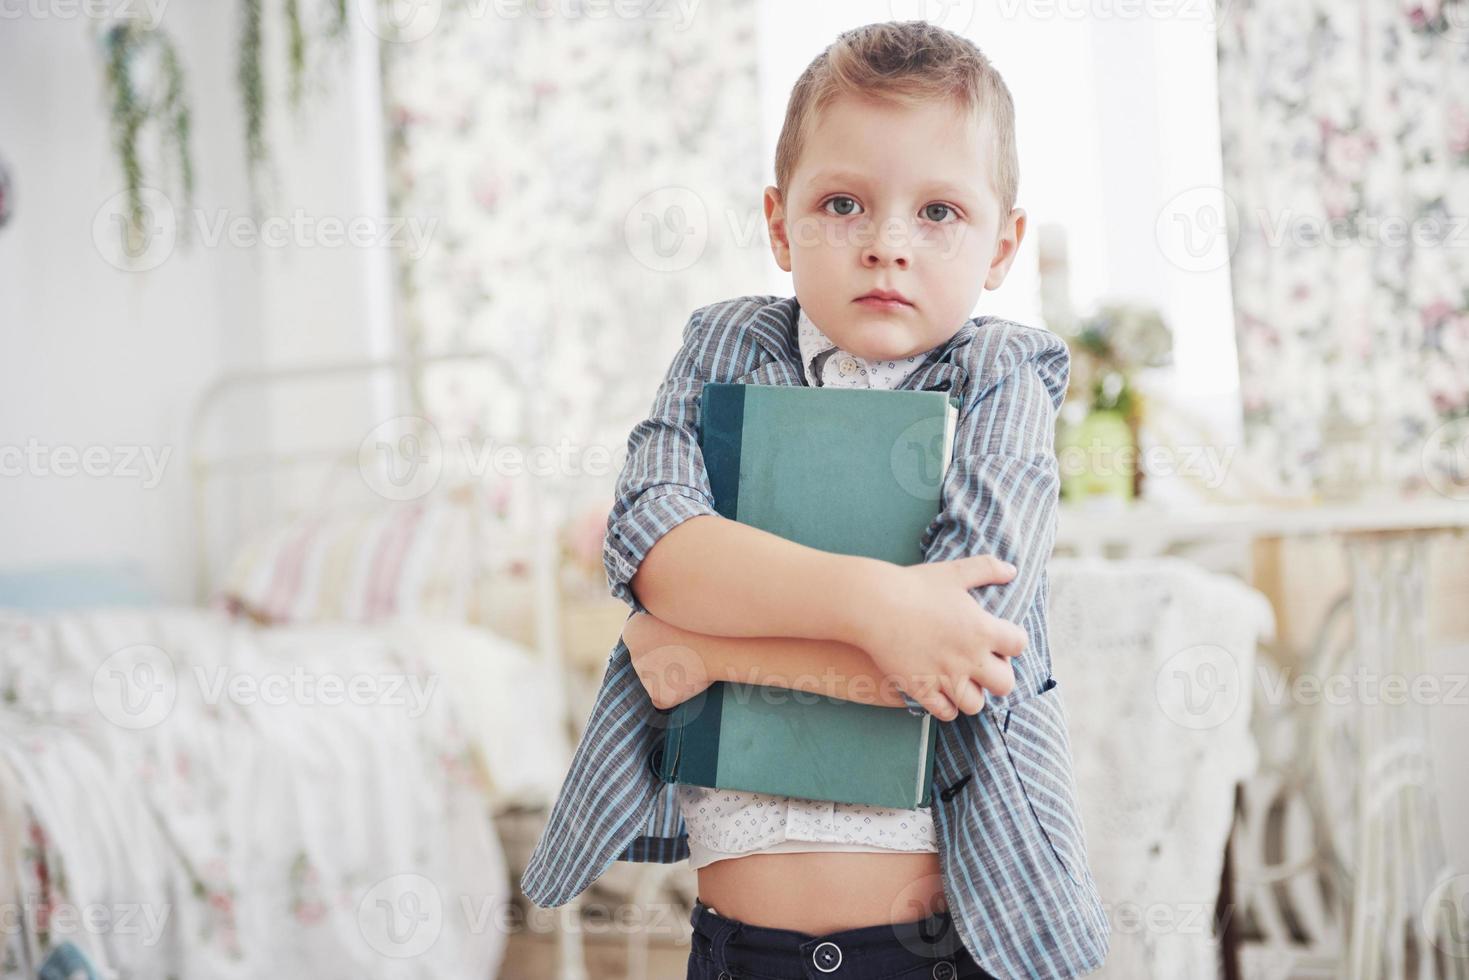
point(95, 356)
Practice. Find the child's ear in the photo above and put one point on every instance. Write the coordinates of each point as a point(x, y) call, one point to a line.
point(775, 221)
point(1012, 230)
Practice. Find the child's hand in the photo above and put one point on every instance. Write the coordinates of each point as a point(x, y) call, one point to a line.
point(928, 635)
point(671, 671)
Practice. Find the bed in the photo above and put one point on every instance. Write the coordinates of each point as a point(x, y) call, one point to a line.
point(308, 771)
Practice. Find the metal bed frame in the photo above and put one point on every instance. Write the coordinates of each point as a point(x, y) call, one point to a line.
point(207, 469)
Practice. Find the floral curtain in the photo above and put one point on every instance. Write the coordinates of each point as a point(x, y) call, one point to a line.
point(1346, 159)
point(593, 177)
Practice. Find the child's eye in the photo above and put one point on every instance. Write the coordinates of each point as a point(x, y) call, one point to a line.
point(929, 209)
point(844, 212)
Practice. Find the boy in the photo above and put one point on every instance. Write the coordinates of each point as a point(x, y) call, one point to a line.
point(893, 209)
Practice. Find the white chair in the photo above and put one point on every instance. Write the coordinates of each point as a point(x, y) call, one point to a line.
point(1155, 659)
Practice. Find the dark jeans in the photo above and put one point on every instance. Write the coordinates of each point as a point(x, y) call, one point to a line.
point(924, 949)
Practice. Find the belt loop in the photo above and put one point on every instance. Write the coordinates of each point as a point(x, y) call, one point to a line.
point(728, 929)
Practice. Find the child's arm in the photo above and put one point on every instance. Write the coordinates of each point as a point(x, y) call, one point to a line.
point(675, 664)
point(765, 586)
point(762, 585)
point(663, 534)
point(1000, 499)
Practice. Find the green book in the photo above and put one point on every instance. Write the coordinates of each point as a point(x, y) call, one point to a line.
point(857, 471)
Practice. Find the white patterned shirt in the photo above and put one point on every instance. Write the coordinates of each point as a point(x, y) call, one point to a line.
point(725, 823)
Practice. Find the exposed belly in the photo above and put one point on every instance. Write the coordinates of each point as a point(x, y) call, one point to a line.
point(818, 892)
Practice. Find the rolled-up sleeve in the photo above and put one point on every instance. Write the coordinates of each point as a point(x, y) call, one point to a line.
point(1001, 490)
point(663, 483)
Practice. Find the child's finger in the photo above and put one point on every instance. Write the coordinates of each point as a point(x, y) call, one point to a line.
point(1007, 639)
point(934, 700)
point(995, 675)
point(966, 696)
point(985, 570)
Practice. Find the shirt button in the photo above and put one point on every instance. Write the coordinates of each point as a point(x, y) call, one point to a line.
point(847, 366)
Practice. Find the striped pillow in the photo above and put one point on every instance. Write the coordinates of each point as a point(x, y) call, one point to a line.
point(420, 559)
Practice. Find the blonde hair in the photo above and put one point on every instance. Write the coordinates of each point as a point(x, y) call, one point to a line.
point(904, 63)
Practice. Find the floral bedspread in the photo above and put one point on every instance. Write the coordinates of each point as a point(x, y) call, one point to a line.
point(185, 795)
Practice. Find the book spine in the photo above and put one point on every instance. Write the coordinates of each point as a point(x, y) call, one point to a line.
point(721, 444)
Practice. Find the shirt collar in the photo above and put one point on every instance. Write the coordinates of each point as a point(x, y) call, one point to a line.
point(818, 350)
point(774, 328)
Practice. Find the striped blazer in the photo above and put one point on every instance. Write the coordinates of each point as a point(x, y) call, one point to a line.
point(1010, 840)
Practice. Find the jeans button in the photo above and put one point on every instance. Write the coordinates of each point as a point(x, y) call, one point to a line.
point(828, 956)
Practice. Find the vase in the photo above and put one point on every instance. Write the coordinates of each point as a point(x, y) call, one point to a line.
point(1098, 459)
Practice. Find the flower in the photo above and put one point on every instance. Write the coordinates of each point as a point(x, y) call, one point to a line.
point(1111, 345)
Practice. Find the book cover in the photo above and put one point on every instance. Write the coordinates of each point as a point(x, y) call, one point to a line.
point(850, 470)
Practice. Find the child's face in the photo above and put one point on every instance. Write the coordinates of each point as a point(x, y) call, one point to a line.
point(894, 198)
